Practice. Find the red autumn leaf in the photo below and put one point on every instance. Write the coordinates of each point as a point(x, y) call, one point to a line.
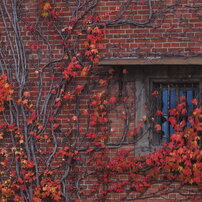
point(56, 125)
point(31, 28)
point(123, 117)
point(183, 123)
point(125, 99)
point(68, 96)
point(79, 87)
point(140, 124)
point(135, 132)
point(73, 19)
point(172, 120)
point(29, 121)
point(155, 93)
point(112, 99)
point(157, 127)
point(181, 106)
point(188, 163)
point(53, 91)
point(93, 123)
point(85, 112)
point(184, 111)
point(197, 111)
point(91, 135)
point(88, 53)
point(20, 180)
point(58, 104)
point(194, 101)
point(46, 6)
point(177, 127)
point(84, 71)
point(89, 150)
point(198, 126)
point(51, 118)
point(100, 46)
point(172, 112)
point(77, 200)
point(182, 98)
point(159, 112)
point(187, 171)
point(103, 82)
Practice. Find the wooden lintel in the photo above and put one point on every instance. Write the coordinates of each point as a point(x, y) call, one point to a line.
point(151, 61)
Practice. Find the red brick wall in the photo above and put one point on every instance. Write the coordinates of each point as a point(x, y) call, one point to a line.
point(163, 29)
point(174, 30)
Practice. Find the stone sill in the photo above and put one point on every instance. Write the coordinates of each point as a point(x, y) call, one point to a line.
point(151, 61)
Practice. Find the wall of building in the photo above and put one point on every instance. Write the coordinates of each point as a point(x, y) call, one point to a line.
point(133, 31)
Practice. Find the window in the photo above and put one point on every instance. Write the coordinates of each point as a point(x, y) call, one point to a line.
point(173, 77)
point(168, 98)
point(172, 82)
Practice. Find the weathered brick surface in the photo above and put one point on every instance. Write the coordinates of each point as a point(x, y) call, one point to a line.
point(165, 29)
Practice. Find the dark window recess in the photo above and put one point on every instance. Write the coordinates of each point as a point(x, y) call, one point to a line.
point(168, 98)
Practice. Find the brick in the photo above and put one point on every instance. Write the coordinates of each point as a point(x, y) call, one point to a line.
point(179, 32)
